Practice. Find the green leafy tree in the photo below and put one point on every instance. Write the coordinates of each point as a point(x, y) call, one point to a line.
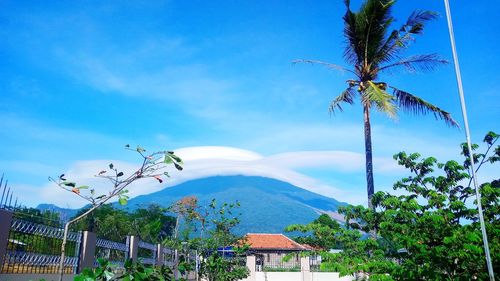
point(373, 49)
point(47, 217)
point(215, 224)
point(107, 222)
point(430, 232)
point(322, 233)
point(433, 229)
point(186, 213)
point(215, 266)
point(358, 255)
point(150, 223)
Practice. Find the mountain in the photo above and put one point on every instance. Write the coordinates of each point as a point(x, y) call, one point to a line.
point(267, 205)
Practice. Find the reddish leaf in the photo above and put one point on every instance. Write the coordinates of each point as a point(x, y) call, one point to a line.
point(159, 179)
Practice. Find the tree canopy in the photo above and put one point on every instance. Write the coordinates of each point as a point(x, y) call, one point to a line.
point(431, 231)
point(151, 223)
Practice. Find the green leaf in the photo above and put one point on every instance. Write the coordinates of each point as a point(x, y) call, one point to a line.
point(176, 158)
point(374, 93)
point(83, 187)
point(168, 159)
point(122, 201)
point(111, 166)
point(102, 262)
point(178, 167)
point(108, 275)
point(490, 138)
point(72, 184)
point(119, 174)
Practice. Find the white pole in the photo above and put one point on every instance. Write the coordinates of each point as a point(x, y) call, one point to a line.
point(469, 146)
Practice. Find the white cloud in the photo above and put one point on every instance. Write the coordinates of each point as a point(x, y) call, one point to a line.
point(208, 161)
point(216, 152)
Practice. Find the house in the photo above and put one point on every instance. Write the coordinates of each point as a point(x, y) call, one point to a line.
point(274, 251)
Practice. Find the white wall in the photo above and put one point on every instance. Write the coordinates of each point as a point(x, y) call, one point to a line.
point(329, 276)
point(300, 276)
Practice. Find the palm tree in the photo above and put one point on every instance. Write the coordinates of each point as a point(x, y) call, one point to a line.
point(373, 49)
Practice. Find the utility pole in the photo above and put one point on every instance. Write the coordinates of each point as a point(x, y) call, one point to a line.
point(469, 145)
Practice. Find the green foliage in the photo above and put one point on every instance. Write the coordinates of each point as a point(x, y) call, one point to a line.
point(436, 221)
point(322, 233)
point(276, 269)
point(430, 232)
point(133, 271)
point(103, 272)
point(218, 268)
point(216, 223)
point(215, 266)
point(46, 217)
point(149, 223)
point(137, 271)
point(152, 224)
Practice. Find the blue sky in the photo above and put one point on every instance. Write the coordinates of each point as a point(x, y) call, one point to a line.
point(81, 79)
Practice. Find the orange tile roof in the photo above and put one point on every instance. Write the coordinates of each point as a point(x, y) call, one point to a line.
point(272, 241)
point(311, 248)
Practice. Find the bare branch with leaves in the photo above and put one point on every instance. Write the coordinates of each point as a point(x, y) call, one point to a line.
point(153, 166)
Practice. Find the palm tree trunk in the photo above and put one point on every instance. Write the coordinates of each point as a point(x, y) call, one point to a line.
point(368, 155)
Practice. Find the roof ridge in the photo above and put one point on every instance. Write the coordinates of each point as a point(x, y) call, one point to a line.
point(294, 242)
point(291, 242)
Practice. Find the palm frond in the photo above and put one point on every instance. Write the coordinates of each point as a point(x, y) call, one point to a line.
point(350, 32)
point(414, 63)
point(417, 106)
point(365, 30)
point(401, 38)
point(326, 64)
point(415, 22)
point(347, 96)
point(376, 94)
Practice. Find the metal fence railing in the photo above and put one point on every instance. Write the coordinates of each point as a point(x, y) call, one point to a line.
point(277, 261)
point(146, 253)
point(36, 248)
point(33, 246)
point(168, 257)
point(115, 252)
point(315, 263)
